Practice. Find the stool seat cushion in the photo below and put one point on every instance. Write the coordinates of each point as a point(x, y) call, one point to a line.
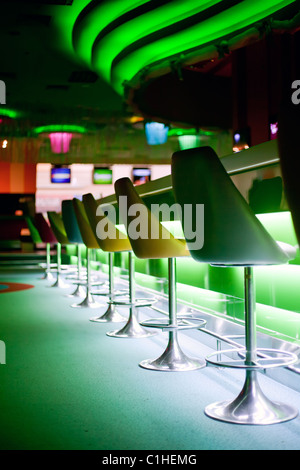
point(115, 244)
point(44, 229)
point(70, 222)
point(233, 235)
point(58, 228)
point(87, 233)
point(165, 245)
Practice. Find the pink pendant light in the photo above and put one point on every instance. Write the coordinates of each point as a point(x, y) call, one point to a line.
point(60, 142)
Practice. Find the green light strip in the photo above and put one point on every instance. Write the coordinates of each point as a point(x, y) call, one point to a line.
point(87, 30)
point(111, 45)
point(233, 19)
point(11, 113)
point(60, 128)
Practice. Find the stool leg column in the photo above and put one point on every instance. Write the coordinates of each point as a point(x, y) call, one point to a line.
point(59, 281)
point(173, 359)
point(48, 275)
point(80, 290)
point(132, 329)
point(88, 302)
point(251, 406)
point(111, 315)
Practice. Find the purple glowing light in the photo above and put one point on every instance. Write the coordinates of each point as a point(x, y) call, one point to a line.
point(60, 142)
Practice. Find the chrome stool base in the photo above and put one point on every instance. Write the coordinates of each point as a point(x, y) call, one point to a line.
point(132, 329)
point(60, 284)
point(80, 292)
point(110, 316)
point(168, 362)
point(251, 407)
point(88, 302)
point(48, 276)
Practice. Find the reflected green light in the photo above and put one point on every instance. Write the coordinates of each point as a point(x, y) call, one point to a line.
point(60, 128)
point(11, 113)
point(188, 141)
point(137, 28)
point(87, 30)
point(219, 26)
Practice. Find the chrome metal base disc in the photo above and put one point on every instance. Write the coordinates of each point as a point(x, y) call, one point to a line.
point(88, 302)
point(171, 361)
point(132, 329)
point(60, 284)
point(80, 292)
point(48, 277)
point(110, 316)
point(231, 412)
point(251, 407)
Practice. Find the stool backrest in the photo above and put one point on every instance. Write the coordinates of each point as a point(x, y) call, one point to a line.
point(34, 233)
point(70, 222)
point(45, 231)
point(164, 245)
point(58, 228)
point(86, 231)
point(110, 239)
point(232, 233)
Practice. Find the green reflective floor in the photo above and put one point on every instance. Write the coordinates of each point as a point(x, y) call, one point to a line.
point(66, 385)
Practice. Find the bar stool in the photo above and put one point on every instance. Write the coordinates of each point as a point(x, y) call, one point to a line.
point(233, 237)
point(47, 237)
point(90, 243)
point(116, 243)
point(163, 245)
point(36, 238)
point(59, 231)
point(74, 237)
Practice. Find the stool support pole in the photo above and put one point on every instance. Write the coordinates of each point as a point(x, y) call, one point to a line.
point(173, 358)
point(111, 315)
point(59, 281)
point(48, 275)
point(89, 301)
point(251, 406)
point(132, 329)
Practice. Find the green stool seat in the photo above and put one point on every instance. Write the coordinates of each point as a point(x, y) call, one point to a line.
point(233, 236)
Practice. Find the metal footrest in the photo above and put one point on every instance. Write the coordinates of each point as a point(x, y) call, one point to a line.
point(184, 323)
point(266, 359)
point(114, 294)
point(138, 303)
point(93, 283)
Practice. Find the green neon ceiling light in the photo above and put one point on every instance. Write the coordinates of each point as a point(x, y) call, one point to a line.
point(87, 29)
point(234, 19)
point(65, 23)
point(137, 28)
point(11, 113)
point(60, 128)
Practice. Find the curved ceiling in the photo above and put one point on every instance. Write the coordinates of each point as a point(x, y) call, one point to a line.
point(130, 43)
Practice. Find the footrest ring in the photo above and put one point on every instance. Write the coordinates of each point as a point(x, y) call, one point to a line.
point(266, 359)
point(166, 326)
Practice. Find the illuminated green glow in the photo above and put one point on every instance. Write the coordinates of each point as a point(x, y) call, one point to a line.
point(96, 20)
point(280, 226)
point(11, 113)
point(227, 22)
point(65, 23)
point(188, 141)
point(60, 128)
point(124, 35)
